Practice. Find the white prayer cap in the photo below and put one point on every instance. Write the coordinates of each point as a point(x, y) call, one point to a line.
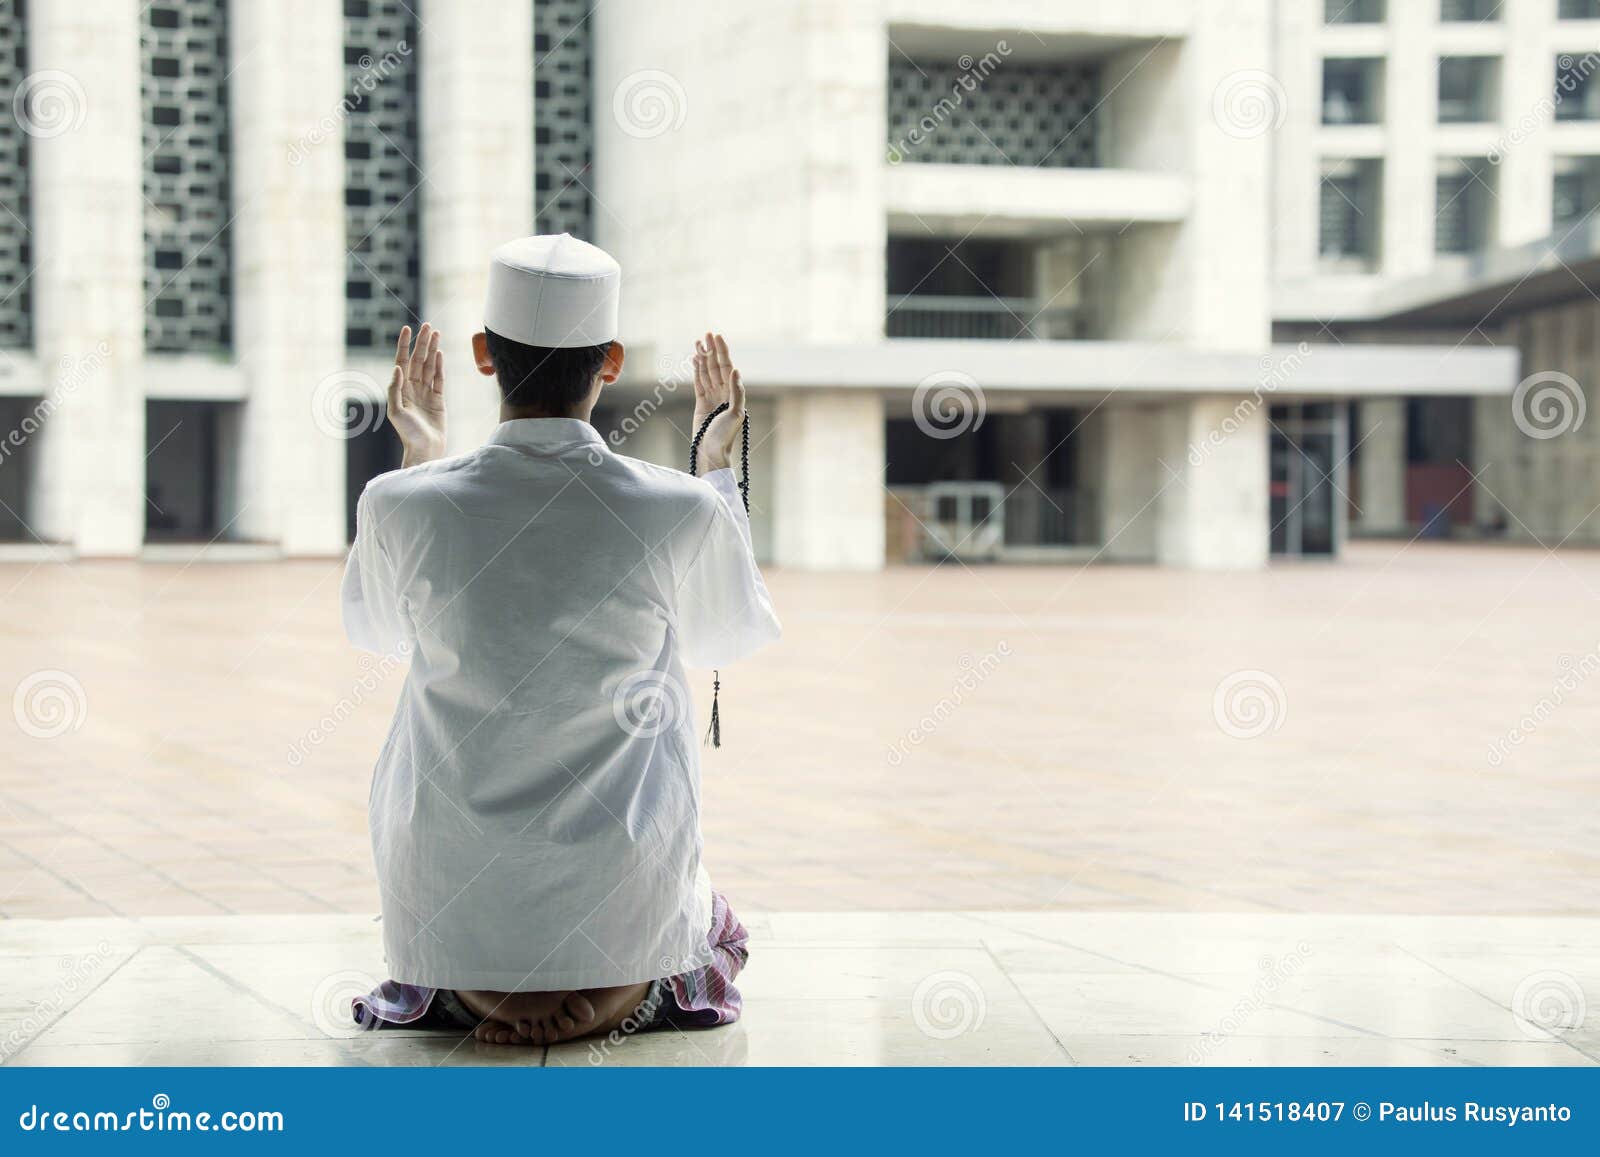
point(554, 291)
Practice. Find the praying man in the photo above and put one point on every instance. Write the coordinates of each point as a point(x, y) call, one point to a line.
point(535, 809)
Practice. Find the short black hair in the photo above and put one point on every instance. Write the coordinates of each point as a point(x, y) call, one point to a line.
point(542, 377)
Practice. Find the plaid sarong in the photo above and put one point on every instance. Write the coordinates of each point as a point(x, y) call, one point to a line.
point(702, 998)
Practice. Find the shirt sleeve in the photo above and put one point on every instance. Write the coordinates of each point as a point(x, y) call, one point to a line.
point(374, 618)
point(724, 610)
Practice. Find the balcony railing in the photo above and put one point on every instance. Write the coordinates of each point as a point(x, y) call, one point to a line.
point(984, 318)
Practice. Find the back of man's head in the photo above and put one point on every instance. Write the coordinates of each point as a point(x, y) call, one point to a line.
point(542, 378)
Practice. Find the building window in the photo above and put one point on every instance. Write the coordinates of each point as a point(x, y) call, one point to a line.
point(1352, 91)
point(1349, 217)
point(1469, 89)
point(184, 97)
point(382, 173)
point(563, 145)
point(1576, 192)
point(975, 288)
point(16, 262)
point(1577, 96)
point(1352, 11)
point(1463, 205)
point(1452, 11)
point(1579, 10)
point(994, 112)
point(189, 470)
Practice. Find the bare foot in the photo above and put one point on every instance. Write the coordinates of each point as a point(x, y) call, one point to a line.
point(547, 1018)
point(612, 1006)
point(526, 1018)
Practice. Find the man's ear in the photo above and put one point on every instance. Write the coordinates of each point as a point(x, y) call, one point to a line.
point(480, 354)
point(612, 369)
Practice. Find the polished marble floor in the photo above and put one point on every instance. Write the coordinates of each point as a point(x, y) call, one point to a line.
point(862, 988)
point(922, 738)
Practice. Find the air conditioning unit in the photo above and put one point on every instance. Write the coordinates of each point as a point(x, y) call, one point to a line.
point(966, 520)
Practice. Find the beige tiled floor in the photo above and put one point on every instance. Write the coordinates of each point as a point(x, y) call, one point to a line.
point(975, 988)
point(222, 750)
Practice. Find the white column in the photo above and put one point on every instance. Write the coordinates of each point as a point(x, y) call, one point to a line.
point(828, 494)
point(476, 66)
point(1214, 514)
point(1410, 168)
point(288, 252)
point(88, 284)
point(1128, 440)
point(1381, 463)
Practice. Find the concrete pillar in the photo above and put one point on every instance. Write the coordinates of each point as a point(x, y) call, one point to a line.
point(476, 77)
point(1023, 444)
point(1381, 465)
point(288, 248)
point(1522, 199)
point(828, 492)
point(88, 284)
point(1411, 80)
point(1128, 442)
point(1214, 514)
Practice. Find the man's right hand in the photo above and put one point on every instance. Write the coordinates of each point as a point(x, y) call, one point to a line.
point(716, 382)
point(416, 396)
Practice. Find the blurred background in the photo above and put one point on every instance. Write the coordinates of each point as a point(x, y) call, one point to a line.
point(1169, 432)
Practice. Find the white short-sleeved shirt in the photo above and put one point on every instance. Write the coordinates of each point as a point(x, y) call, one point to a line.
point(535, 811)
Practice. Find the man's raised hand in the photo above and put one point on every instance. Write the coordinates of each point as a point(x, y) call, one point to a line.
point(716, 382)
point(416, 396)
